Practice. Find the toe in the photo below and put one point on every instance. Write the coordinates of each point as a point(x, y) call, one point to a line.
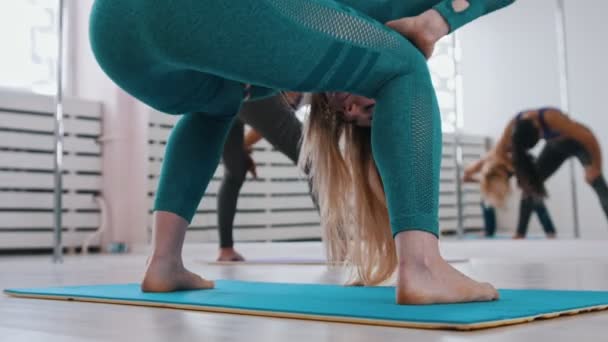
point(490, 290)
point(206, 284)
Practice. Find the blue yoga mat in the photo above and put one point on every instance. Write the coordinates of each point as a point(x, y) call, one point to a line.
point(272, 261)
point(292, 261)
point(365, 305)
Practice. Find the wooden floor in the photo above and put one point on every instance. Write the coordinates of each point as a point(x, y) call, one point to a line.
point(562, 264)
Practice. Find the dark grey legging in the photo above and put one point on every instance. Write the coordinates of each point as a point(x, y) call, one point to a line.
point(277, 123)
point(553, 155)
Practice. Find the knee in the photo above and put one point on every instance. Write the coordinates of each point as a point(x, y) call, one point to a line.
point(416, 77)
point(235, 174)
point(231, 181)
point(599, 184)
point(399, 68)
point(417, 66)
point(419, 63)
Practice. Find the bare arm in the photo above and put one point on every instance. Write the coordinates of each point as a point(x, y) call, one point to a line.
point(471, 170)
point(251, 138)
point(385, 10)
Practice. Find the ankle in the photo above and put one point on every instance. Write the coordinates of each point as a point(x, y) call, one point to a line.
point(417, 262)
point(416, 244)
point(166, 259)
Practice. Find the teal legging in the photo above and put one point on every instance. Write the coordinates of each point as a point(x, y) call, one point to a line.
point(194, 56)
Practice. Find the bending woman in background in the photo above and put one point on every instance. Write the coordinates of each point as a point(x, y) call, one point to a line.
point(564, 138)
point(272, 118)
point(176, 66)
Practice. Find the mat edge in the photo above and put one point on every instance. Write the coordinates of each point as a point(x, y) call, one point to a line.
point(310, 317)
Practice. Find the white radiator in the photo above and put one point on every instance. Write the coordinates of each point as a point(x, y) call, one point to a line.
point(26, 170)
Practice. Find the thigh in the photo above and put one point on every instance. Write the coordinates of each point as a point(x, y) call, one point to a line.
point(551, 158)
point(129, 39)
point(300, 45)
point(276, 122)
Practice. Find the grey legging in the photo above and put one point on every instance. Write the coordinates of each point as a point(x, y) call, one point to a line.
point(553, 155)
point(277, 123)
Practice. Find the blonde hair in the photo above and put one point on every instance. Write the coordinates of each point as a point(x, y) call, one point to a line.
point(354, 215)
point(494, 183)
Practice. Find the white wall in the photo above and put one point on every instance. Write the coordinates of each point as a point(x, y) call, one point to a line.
point(586, 35)
point(125, 131)
point(510, 63)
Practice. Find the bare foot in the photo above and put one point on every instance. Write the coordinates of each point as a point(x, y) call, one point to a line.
point(438, 282)
point(551, 236)
point(229, 254)
point(425, 278)
point(519, 237)
point(423, 30)
point(166, 274)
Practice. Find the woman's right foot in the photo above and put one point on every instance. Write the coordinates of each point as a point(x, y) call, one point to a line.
point(165, 274)
point(436, 281)
point(424, 277)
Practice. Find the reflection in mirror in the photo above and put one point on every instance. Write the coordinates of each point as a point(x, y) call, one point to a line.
point(517, 86)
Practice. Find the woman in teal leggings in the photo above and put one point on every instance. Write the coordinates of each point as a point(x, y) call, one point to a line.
point(204, 58)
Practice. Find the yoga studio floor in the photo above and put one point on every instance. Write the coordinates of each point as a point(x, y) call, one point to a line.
point(562, 264)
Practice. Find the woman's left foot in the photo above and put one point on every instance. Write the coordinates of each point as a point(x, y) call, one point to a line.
point(229, 254)
point(167, 274)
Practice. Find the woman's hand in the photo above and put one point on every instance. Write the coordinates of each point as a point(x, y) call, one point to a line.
point(468, 178)
point(423, 30)
point(251, 167)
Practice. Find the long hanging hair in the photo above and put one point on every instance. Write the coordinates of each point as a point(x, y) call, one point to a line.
point(525, 135)
point(354, 215)
point(494, 183)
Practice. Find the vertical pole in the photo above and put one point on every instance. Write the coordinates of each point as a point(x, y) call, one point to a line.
point(458, 156)
point(58, 167)
point(562, 48)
